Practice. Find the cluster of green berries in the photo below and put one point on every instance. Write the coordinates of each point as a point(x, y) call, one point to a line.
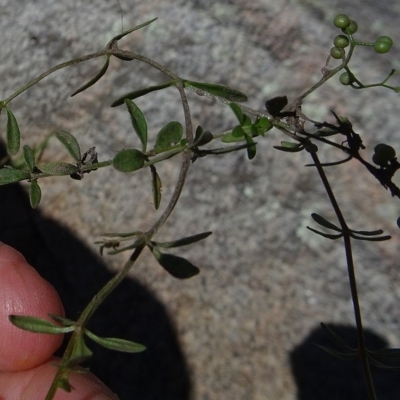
point(382, 45)
point(383, 153)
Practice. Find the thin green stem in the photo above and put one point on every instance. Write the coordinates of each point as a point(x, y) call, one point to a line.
point(89, 310)
point(54, 69)
point(352, 279)
point(187, 155)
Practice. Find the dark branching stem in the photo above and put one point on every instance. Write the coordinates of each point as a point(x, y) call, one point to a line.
point(352, 278)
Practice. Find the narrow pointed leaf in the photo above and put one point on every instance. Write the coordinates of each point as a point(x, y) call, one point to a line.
point(129, 160)
point(369, 233)
point(386, 354)
point(13, 133)
point(326, 235)
point(178, 267)
point(156, 187)
point(39, 325)
point(169, 135)
point(322, 221)
point(275, 105)
point(339, 354)
point(121, 35)
point(70, 143)
point(183, 242)
point(95, 78)
point(382, 365)
point(331, 164)
point(234, 136)
point(335, 338)
point(216, 90)
point(371, 239)
point(238, 112)
point(140, 92)
point(59, 168)
point(11, 175)
point(29, 157)
point(138, 122)
point(117, 344)
point(289, 147)
point(62, 320)
point(35, 194)
point(252, 149)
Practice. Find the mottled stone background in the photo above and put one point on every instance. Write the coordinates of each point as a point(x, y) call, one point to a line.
point(266, 282)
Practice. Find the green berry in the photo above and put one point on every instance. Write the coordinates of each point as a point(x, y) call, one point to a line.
point(383, 44)
point(386, 39)
point(337, 52)
point(341, 21)
point(351, 28)
point(345, 78)
point(341, 41)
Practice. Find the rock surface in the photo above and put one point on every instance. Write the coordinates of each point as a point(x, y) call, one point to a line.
point(266, 281)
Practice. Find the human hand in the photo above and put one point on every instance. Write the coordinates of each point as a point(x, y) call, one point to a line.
point(27, 367)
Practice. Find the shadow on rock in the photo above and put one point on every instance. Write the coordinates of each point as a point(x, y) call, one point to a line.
point(132, 312)
point(320, 375)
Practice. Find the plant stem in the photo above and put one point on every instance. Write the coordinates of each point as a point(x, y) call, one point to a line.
point(51, 70)
point(352, 279)
point(89, 310)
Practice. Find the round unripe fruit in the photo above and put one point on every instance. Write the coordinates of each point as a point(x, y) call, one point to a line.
point(345, 78)
point(351, 28)
point(337, 53)
point(383, 154)
point(383, 44)
point(341, 21)
point(341, 41)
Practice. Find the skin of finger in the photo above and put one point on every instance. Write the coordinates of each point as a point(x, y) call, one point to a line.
point(33, 384)
point(24, 292)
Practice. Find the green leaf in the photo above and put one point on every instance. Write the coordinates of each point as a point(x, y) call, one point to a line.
point(202, 137)
point(39, 325)
point(252, 149)
point(322, 221)
point(70, 143)
point(178, 267)
point(121, 35)
point(138, 122)
point(95, 78)
point(59, 168)
point(13, 133)
point(156, 186)
point(371, 239)
point(29, 157)
point(275, 105)
point(238, 112)
point(169, 135)
point(386, 354)
point(62, 320)
point(35, 194)
point(289, 147)
point(263, 125)
point(80, 352)
point(11, 175)
point(183, 242)
point(335, 338)
point(345, 356)
point(129, 160)
point(123, 345)
point(326, 235)
point(237, 135)
point(368, 233)
point(141, 92)
point(216, 90)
